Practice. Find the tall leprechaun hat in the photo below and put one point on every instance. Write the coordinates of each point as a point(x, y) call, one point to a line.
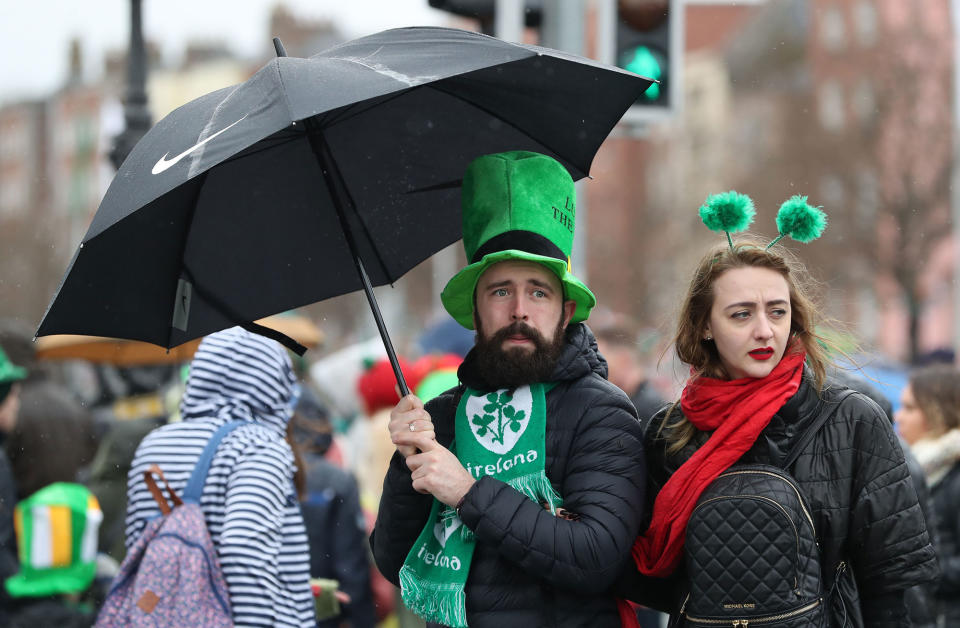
point(56, 540)
point(517, 205)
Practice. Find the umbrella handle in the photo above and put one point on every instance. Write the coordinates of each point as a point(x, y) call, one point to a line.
point(278, 46)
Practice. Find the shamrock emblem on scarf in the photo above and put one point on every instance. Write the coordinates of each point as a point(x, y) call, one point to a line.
point(502, 418)
point(447, 523)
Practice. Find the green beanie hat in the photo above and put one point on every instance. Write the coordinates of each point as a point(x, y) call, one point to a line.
point(437, 382)
point(517, 205)
point(9, 373)
point(56, 541)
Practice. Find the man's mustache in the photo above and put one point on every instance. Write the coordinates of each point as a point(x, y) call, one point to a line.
point(519, 328)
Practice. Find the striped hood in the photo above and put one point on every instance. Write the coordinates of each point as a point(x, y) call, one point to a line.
point(249, 502)
point(237, 375)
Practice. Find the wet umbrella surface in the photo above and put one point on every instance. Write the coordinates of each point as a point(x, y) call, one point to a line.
point(266, 196)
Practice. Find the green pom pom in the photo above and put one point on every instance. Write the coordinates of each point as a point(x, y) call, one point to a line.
point(801, 221)
point(727, 211)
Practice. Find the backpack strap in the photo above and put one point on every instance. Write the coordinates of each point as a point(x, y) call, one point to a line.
point(801, 443)
point(198, 477)
point(157, 493)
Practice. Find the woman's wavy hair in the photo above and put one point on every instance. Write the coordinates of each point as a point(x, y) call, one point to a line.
point(702, 356)
point(937, 392)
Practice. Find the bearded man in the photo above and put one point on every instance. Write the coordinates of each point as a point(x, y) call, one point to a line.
point(514, 498)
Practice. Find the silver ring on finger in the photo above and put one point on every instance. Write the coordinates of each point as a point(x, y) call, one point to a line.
point(413, 428)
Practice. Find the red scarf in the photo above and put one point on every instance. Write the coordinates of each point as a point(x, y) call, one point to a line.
point(738, 410)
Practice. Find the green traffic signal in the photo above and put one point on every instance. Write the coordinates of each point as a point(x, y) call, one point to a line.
point(645, 62)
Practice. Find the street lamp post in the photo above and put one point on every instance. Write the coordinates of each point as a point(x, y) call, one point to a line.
point(136, 115)
point(955, 173)
point(563, 29)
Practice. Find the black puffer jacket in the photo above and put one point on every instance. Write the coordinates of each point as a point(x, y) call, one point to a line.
point(946, 504)
point(855, 479)
point(529, 568)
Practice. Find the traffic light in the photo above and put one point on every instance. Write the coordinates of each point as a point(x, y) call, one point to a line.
point(647, 43)
point(484, 11)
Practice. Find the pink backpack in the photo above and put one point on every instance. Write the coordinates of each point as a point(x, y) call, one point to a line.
point(171, 576)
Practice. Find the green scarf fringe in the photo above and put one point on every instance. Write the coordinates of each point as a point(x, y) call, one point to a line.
point(537, 487)
point(442, 603)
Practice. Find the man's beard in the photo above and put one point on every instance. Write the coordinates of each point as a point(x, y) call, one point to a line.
point(512, 368)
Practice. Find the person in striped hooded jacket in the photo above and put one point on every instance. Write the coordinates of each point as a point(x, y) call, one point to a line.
point(249, 500)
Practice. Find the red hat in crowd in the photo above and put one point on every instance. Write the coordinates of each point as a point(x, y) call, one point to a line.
point(434, 362)
point(436, 373)
point(378, 385)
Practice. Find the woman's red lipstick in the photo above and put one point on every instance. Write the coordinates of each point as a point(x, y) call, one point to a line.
point(762, 354)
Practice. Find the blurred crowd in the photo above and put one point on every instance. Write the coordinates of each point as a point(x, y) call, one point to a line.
point(69, 432)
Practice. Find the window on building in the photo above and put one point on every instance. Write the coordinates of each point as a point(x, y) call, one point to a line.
point(864, 101)
point(868, 197)
point(13, 197)
point(865, 23)
point(830, 105)
point(867, 308)
point(832, 29)
point(832, 192)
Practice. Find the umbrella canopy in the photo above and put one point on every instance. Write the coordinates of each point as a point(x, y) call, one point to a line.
point(268, 195)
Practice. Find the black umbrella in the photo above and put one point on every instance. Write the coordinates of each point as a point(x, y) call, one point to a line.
point(318, 177)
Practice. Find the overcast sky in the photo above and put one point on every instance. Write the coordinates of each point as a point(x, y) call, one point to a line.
point(35, 35)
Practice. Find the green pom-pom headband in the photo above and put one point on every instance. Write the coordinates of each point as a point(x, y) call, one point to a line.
point(728, 212)
point(731, 212)
point(800, 221)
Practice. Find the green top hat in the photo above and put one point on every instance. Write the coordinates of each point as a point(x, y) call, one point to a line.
point(56, 540)
point(9, 372)
point(516, 206)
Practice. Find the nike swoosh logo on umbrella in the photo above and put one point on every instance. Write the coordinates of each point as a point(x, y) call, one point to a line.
point(165, 163)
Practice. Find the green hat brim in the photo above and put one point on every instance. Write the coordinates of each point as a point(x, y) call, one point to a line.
point(457, 296)
point(43, 582)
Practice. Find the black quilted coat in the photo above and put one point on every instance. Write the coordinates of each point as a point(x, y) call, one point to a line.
point(869, 525)
point(946, 502)
point(531, 569)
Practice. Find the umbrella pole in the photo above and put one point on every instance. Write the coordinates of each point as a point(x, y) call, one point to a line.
point(321, 151)
point(337, 187)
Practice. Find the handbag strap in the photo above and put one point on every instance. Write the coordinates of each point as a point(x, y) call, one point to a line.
point(801, 443)
point(198, 477)
point(157, 492)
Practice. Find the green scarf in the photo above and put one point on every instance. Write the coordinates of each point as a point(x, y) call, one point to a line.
point(500, 434)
